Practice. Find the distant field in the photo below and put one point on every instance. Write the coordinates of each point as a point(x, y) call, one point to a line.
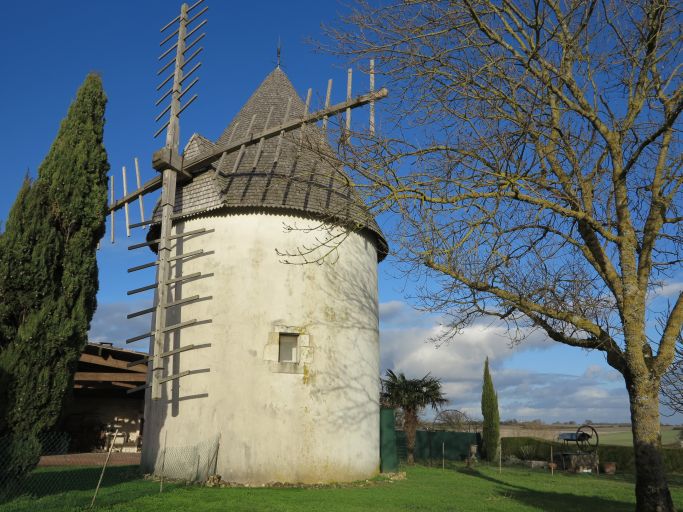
point(623, 438)
point(618, 435)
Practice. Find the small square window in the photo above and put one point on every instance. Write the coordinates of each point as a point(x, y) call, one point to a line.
point(288, 348)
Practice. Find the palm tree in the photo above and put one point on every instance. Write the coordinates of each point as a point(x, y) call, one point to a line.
point(411, 395)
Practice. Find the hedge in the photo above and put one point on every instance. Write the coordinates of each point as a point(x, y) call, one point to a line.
point(530, 448)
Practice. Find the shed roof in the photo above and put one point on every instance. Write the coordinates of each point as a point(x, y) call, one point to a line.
point(301, 173)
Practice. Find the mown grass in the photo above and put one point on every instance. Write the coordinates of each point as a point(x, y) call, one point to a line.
point(424, 489)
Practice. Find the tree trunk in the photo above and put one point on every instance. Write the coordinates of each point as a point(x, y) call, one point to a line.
point(410, 427)
point(652, 489)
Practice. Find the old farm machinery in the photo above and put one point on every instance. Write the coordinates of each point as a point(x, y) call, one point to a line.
point(585, 458)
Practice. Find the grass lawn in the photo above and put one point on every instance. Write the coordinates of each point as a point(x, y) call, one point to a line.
point(625, 438)
point(424, 489)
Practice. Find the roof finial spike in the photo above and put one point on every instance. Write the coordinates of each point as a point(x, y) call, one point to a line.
point(279, 50)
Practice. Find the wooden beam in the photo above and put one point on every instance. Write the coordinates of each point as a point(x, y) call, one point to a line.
point(110, 377)
point(125, 193)
point(137, 178)
point(229, 147)
point(126, 385)
point(372, 103)
point(348, 99)
point(111, 208)
point(149, 186)
point(111, 362)
point(285, 127)
point(168, 179)
point(282, 132)
point(327, 102)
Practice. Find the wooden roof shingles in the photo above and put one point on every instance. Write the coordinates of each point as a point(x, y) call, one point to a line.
point(306, 177)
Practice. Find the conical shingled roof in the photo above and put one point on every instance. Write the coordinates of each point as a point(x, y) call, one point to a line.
point(306, 177)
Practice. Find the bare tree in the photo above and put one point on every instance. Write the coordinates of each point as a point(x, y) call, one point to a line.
point(452, 420)
point(532, 150)
point(672, 384)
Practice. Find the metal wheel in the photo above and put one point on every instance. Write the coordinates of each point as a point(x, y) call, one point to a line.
point(587, 439)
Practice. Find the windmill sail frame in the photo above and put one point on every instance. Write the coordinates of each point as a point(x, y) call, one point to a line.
point(173, 167)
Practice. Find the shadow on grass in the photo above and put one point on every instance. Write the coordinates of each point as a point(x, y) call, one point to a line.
point(64, 487)
point(548, 500)
point(45, 481)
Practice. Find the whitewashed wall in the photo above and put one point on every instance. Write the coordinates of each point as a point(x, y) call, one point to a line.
point(316, 421)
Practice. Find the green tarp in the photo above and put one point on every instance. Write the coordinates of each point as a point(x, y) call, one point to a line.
point(387, 442)
point(429, 444)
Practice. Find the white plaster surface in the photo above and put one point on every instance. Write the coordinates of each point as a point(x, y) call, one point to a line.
point(315, 422)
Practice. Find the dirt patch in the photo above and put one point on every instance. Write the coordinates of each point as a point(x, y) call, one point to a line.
point(90, 459)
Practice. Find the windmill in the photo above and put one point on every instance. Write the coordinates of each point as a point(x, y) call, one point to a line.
point(237, 155)
point(168, 163)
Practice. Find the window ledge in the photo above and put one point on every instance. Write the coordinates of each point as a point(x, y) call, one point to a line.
point(278, 367)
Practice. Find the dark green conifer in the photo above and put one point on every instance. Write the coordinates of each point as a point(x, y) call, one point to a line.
point(48, 276)
point(489, 409)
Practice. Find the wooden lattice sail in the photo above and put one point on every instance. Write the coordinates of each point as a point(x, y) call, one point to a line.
point(249, 161)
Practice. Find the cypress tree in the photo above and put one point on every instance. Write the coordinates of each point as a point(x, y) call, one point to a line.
point(48, 277)
point(489, 409)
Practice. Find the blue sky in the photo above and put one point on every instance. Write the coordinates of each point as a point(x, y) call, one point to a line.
point(48, 47)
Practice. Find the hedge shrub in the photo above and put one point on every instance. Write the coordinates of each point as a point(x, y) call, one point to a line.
point(530, 448)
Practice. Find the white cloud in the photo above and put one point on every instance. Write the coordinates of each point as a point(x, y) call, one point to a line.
point(388, 311)
point(408, 349)
point(666, 289)
point(670, 289)
point(398, 314)
point(596, 393)
point(111, 325)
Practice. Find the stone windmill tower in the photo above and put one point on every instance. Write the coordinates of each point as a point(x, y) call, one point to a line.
point(292, 390)
point(261, 369)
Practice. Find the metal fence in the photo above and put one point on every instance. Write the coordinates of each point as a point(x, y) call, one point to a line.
point(194, 463)
point(434, 448)
point(64, 481)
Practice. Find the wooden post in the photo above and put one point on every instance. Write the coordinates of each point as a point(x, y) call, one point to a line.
point(552, 461)
point(372, 103)
point(167, 203)
point(303, 124)
point(500, 457)
point(327, 102)
point(443, 455)
point(137, 178)
point(232, 134)
point(348, 98)
point(308, 101)
point(262, 140)
point(125, 206)
point(282, 132)
point(238, 160)
point(106, 461)
point(111, 215)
